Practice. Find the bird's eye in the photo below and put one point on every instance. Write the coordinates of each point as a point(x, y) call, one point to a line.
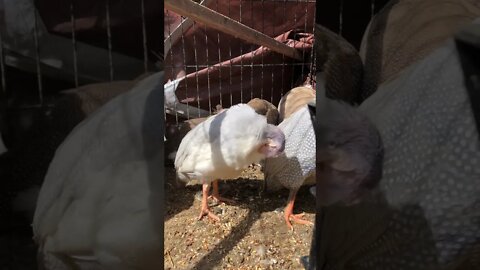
point(331, 145)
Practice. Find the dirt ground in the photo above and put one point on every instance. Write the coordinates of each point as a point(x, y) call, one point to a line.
point(252, 233)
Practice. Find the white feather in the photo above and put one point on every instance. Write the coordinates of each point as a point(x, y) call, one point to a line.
point(221, 146)
point(98, 199)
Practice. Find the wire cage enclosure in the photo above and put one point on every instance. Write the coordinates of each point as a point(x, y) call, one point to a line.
point(59, 62)
point(77, 42)
point(48, 47)
point(206, 67)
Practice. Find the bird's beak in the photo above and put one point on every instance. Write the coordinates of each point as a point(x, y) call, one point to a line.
point(271, 149)
point(274, 145)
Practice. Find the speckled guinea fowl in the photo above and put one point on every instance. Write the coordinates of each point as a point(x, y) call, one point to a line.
point(297, 164)
point(427, 211)
point(350, 147)
point(349, 154)
point(427, 214)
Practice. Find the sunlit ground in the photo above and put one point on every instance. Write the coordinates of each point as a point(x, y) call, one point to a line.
point(252, 234)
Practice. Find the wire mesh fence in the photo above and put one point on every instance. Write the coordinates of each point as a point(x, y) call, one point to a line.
point(210, 68)
point(76, 43)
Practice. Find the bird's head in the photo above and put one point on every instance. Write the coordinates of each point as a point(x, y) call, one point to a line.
point(349, 155)
point(273, 141)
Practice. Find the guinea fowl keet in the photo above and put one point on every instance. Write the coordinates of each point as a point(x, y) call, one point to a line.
point(223, 146)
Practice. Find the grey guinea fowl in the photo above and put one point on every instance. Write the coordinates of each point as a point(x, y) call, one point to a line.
point(349, 153)
point(429, 191)
point(297, 163)
point(349, 147)
point(222, 146)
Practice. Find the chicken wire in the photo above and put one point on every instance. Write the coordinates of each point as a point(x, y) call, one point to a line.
point(304, 70)
point(209, 68)
point(46, 47)
point(40, 44)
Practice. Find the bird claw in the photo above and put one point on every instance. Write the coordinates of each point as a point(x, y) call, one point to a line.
point(297, 218)
point(207, 212)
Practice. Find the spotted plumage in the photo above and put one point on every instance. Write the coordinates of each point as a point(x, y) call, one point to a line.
point(298, 161)
point(427, 212)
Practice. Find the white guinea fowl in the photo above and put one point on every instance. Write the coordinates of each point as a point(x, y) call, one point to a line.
point(100, 205)
point(223, 146)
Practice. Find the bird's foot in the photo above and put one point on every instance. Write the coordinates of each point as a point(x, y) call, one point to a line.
point(296, 218)
point(219, 199)
point(206, 212)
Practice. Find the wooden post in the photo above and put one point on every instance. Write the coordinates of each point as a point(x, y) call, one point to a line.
point(181, 28)
point(223, 23)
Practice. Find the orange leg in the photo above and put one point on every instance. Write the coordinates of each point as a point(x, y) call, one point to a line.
point(288, 213)
point(216, 196)
point(205, 210)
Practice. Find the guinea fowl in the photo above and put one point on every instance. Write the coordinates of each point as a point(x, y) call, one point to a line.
point(100, 204)
point(349, 152)
point(297, 163)
point(225, 144)
point(176, 132)
point(266, 108)
point(293, 100)
point(349, 147)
